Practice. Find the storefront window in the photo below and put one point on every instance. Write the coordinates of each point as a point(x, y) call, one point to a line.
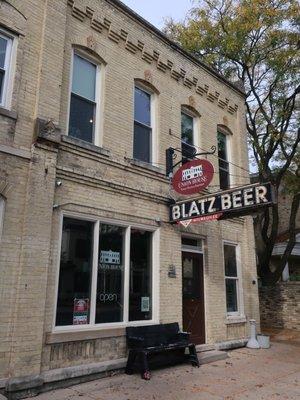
point(75, 273)
point(140, 276)
point(110, 293)
point(98, 274)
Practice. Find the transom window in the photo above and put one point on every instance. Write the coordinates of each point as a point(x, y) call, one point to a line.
point(231, 278)
point(105, 274)
point(223, 161)
point(5, 61)
point(83, 99)
point(142, 137)
point(187, 136)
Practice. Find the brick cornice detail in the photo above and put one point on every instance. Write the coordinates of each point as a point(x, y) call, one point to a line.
point(139, 49)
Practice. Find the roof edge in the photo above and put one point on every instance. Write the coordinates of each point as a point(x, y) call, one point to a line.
point(132, 14)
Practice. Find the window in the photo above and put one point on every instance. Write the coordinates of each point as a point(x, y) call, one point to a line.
point(5, 61)
point(187, 136)
point(231, 278)
point(2, 206)
point(142, 137)
point(83, 103)
point(105, 274)
point(223, 161)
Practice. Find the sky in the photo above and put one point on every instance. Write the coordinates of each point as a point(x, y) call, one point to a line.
point(155, 11)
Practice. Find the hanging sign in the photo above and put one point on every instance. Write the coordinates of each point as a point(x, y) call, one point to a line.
point(193, 177)
point(230, 203)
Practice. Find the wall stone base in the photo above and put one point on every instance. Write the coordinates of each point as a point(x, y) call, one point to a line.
point(280, 306)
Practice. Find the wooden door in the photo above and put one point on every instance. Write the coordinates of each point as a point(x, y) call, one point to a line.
point(193, 296)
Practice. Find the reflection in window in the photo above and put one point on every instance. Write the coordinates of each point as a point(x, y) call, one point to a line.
point(75, 273)
point(83, 99)
point(2, 205)
point(142, 136)
point(110, 294)
point(187, 136)
point(231, 278)
point(223, 161)
point(140, 296)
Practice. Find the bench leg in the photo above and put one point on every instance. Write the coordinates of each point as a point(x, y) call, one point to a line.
point(193, 355)
point(145, 373)
point(130, 362)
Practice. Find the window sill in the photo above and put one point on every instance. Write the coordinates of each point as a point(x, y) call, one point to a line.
point(238, 319)
point(85, 145)
point(145, 165)
point(67, 336)
point(8, 113)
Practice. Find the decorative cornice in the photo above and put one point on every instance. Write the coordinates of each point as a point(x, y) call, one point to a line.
point(150, 56)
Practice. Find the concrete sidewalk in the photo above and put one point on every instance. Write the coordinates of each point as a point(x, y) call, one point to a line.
point(246, 374)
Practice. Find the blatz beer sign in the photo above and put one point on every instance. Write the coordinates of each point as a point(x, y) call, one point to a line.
point(193, 177)
point(230, 203)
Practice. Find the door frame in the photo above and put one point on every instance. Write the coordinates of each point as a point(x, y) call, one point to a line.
point(199, 250)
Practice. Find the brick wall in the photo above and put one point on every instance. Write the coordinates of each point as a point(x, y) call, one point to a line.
point(280, 306)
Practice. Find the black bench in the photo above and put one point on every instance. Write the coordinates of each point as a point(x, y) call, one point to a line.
point(145, 340)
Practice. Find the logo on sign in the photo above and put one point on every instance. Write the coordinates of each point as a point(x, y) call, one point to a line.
point(193, 177)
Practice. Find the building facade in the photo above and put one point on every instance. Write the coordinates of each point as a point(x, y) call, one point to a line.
point(91, 97)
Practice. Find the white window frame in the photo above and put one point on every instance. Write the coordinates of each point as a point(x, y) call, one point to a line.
point(98, 125)
point(2, 210)
point(154, 278)
point(9, 67)
point(239, 285)
point(153, 120)
point(229, 156)
point(196, 125)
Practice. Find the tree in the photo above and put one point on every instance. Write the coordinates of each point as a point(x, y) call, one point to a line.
point(257, 42)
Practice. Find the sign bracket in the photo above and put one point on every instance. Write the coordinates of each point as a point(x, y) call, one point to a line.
point(171, 156)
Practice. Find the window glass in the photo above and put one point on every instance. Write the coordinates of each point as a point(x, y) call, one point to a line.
point(191, 277)
point(83, 106)
point(142, 143)
point(142, 107)
point(187, 128)
point(73, 303)
point(2, 205)
point(110, 294)
point(222, 151)
point(231, 295)
point(140, 296)
point(191, 242)
point(3, 46)
point(230, 260)
point(82, 115)
point(84, 78)
point(223, 161)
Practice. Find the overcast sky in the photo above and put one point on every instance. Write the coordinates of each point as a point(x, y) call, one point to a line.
point(155, 11)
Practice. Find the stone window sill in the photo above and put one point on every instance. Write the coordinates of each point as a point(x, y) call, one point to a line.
point(145, 165)
point(74, 336)
point(8, 113)
point(239, 319)
point(85, 145)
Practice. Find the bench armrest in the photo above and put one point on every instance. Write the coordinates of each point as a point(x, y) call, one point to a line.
point(183, 335)
point(134, 341)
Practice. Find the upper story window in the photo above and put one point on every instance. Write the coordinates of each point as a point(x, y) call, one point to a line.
point(83, 104)
point(2, 205)
point(187, 136)
point(223, 161)
point(142, 138)
point(5, 67)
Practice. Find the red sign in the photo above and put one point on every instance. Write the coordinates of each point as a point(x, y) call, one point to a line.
point(193, 177)
point(213, 217)
point(80, 311)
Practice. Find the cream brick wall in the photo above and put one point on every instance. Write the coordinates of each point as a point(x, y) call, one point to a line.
point(100, 185)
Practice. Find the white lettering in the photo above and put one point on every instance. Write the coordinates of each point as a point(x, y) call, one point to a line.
point(237, 199)
point(193, 209)
point(201, 202)
point(260, 193)
point(184, 214)
point(175, 212)
point(211, 204)
point(248, 197)
point(225, 202)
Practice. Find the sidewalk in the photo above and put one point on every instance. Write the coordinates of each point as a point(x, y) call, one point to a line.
point(246, 374)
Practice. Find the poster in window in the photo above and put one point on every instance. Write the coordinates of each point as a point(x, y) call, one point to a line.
point(145, 304)
point(80, 311)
